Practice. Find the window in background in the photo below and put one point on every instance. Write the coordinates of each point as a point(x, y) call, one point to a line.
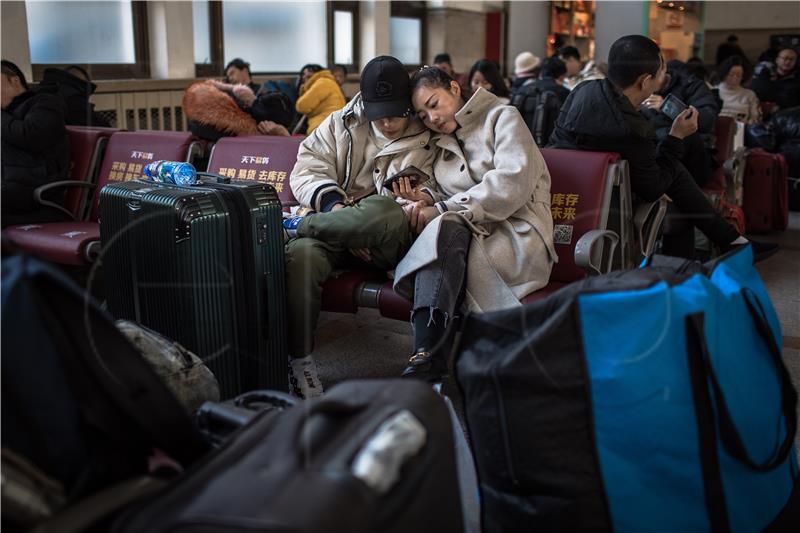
point(108, 42)
point(61, 32)
point(201, 29)
point(275, 36)
point(405, 39)
point(343, 37)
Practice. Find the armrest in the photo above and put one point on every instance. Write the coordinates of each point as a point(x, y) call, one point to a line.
point(39, 191)
point(647, 222)
point(583, 250)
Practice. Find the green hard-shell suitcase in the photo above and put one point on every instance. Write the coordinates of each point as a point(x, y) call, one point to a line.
point(203, 265)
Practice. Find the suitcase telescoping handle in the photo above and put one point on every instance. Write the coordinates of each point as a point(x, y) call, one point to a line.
point(219, 178)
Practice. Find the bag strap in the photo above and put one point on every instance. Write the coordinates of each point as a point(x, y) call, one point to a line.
point(729, 434)
point(713, 489)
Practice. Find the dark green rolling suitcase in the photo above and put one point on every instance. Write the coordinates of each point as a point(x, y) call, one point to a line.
point(203, 265)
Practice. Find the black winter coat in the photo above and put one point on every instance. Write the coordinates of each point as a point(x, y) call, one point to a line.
point(35, 148)
point(787, 90)
point(75, 92)
point(691, 91)
point(596, 117)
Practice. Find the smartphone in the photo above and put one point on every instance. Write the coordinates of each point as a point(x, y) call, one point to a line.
point(415, 176)
point(672, 106)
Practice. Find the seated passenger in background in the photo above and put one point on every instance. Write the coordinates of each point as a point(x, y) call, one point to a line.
point(320, 95)
point(237, 72)
point(526, 70)
point(444, 62)
point(487, 241)
point(577, 72)
point(787, 83)
point(339, 174)
point(698, 148)
point(737, 102)
point(552, 76)
point(604, 115)
point(35, 147)
point(75, 87)
point(215, 110)
point(339, 73)
point(484, 73)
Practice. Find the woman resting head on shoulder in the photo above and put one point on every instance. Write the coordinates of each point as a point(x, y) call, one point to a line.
point(486, 236)
point(486, 74)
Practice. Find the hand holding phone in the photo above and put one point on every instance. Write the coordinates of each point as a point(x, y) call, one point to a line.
point(672, 107)
point(414, 175)
point(684, 124)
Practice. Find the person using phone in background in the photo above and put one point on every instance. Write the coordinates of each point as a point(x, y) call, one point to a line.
point(604, 115)
point(698, 148)
point(339, 175)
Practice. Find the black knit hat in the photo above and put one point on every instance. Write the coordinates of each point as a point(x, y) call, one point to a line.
point(385, 89)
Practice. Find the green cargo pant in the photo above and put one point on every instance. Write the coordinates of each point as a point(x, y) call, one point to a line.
point(322, 245)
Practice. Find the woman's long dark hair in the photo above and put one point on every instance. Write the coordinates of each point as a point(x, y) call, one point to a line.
point(491, 72)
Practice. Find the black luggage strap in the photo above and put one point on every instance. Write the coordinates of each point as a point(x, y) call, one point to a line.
point(713, 490)
point(731, 438)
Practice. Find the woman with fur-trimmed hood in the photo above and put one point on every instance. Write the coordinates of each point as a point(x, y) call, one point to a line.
point(217, 110)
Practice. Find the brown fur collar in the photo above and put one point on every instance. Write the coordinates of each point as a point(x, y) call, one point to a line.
point(207, 105)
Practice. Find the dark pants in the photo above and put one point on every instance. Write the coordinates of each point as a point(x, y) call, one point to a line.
point(697, 159)
point(323, 244)
point(690, 209)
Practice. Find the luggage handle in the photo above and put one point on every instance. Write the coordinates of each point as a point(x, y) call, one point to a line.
point(219, 178)
point(731, 439)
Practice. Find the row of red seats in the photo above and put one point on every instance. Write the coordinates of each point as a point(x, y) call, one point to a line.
point(584, 186)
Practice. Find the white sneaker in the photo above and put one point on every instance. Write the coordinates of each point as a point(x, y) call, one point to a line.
point(303, 379)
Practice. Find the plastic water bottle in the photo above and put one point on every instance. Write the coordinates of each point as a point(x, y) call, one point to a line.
point(171, 172)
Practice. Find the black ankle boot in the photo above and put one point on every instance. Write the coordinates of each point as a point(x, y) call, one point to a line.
point(427, 366)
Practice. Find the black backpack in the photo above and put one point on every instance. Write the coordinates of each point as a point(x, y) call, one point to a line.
point(539, 109)
point(78, 400)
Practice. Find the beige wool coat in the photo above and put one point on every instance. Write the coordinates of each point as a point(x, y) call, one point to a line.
point(491, 175)
point(332, 157)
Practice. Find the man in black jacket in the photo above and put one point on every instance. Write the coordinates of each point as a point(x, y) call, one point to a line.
point(697, 147)
point(35, 148)
point(603, 115)
point(552, 77)
point(74, 85)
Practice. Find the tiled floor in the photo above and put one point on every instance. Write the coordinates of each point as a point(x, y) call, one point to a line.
point(366, 345)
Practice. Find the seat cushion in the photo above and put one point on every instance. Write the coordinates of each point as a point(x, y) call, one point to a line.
point(60, 242)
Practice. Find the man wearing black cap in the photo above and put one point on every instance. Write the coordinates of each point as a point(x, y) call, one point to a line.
point(35, 149)
point(339, 175)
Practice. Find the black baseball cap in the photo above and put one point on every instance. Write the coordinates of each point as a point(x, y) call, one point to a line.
point(385, 88)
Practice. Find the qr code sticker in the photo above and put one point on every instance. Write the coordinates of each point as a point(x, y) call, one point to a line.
point(562, 234)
